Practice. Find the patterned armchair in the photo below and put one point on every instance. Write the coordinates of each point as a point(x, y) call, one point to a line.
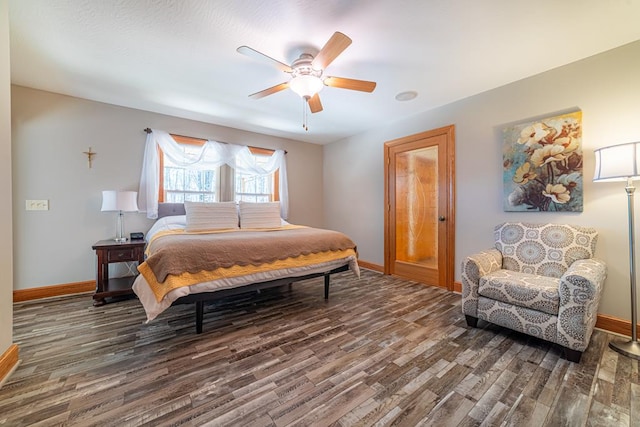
point(541, 279)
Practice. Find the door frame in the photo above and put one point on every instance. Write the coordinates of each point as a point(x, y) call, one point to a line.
point(448, 187)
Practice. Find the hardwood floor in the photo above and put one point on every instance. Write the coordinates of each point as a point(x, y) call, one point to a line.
point(380, 351)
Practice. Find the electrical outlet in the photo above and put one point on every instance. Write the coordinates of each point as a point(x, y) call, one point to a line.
point(37, 205)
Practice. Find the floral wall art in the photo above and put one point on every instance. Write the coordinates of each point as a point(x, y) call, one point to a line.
point(543, 165)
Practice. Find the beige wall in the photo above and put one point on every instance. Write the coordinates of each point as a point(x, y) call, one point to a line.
point(50, 133)
point(6, 245)
point(605, 87)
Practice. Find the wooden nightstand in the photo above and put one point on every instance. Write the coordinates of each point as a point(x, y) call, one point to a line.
point(108, 252)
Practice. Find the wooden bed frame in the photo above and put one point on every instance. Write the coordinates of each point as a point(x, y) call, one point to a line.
point(201, 298)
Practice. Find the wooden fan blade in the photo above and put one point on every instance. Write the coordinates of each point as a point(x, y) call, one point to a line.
point(342, 83)
point(269, 91)
point(330, 51)
point(246, 50)
point(314, 104)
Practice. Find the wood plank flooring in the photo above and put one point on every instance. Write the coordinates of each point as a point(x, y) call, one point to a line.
point(381, 351)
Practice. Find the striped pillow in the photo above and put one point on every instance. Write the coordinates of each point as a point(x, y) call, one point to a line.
point(260, 215)
point(211, 216)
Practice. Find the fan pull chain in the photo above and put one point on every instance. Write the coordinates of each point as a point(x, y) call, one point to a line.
point(304, 115)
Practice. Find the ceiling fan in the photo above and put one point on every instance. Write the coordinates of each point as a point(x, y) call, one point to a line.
point(307, 72)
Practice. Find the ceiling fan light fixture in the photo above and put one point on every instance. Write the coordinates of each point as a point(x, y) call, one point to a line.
point(306, 85)
point(307, 74)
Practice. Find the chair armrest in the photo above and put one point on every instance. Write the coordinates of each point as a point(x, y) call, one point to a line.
point(474, 267)
point(580, 290)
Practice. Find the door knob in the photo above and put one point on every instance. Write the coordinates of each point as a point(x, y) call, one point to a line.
point(441, 218)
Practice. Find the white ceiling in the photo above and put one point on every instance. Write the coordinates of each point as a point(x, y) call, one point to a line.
point(179, 57)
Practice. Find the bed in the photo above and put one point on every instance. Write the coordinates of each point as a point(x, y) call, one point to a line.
point(197, 258)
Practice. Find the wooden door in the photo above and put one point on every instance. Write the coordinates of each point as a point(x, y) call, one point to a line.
point(419, 207)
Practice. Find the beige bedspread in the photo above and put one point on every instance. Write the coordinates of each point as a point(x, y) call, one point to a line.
point(193, 253)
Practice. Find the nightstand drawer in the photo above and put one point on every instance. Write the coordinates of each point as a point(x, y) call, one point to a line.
point(116, 255)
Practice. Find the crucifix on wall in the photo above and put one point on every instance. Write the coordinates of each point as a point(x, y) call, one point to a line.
point(90, 155)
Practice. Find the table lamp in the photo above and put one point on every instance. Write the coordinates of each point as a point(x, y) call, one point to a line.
point(119, 201)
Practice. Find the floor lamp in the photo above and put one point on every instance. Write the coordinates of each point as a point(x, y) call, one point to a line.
point(621, 163)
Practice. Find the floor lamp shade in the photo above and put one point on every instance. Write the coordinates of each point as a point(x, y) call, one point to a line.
point(620, 163)
point(119, 201)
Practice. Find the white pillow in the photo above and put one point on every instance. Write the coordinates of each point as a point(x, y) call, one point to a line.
point(211, 216)
point(260, 215)
point(166, 223)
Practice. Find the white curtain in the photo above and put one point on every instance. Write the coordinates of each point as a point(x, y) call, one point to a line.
point(211, 156)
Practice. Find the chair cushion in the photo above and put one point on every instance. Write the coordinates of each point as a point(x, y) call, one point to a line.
point(522, 289)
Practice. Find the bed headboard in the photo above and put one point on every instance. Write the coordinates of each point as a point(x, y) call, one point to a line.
point(170, 209)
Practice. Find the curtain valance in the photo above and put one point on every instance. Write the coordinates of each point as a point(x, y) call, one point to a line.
point(210, 156)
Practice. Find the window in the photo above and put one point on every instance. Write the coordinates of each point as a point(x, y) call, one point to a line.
point(179, 182)
point(257, 188)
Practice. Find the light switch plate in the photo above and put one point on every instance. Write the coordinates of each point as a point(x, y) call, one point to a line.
point(37, 205)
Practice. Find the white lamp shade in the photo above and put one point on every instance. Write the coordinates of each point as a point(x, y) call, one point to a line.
point(618, 162)
point(125, 201)
point(306, 86)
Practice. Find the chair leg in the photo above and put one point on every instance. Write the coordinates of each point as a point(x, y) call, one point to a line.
point(471, 321)
point(571, 355)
